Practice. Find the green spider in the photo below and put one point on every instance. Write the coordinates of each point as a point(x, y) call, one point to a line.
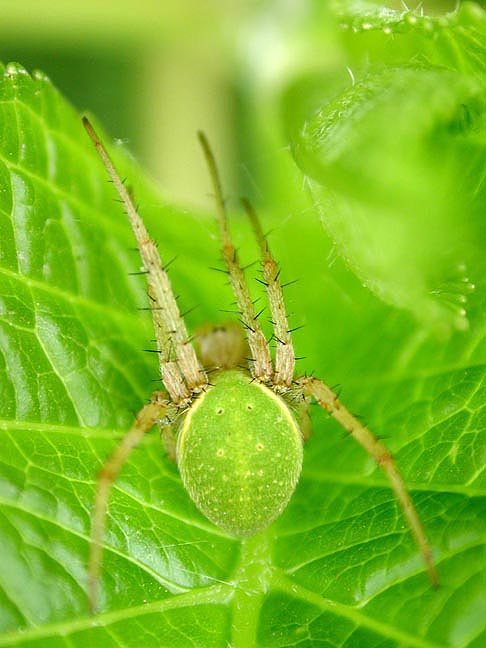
point(239, 439)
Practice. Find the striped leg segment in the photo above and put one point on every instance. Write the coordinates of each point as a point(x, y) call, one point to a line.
point(328, 400)
point(148, 416)
point(261, 359)
point(179, 366)
point(284, 355)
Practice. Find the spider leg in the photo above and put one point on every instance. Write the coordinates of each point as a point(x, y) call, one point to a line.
point(145, 420)
point(284, 354)
point(169, 440)
point(302, 411)
point(179, 366)
point(328, 400)
point(262, 363)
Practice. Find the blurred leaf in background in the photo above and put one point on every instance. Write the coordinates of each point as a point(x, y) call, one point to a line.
point(382, 109)
point(396, 158)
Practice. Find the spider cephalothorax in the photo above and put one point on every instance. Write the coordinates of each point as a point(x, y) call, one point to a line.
point(238, 437)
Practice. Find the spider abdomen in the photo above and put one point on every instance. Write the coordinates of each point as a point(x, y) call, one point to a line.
point(239, 452)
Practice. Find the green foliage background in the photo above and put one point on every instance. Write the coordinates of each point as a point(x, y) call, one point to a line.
point(394, 167)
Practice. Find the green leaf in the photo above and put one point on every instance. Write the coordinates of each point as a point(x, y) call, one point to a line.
point(394, 153)
point(339, 568)
point(453, 40)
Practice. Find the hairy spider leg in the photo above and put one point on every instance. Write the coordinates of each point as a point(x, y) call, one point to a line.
point(152, 413)
point(328, 400)
point(261, 365)
point(284, 354)
point(182, 375)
